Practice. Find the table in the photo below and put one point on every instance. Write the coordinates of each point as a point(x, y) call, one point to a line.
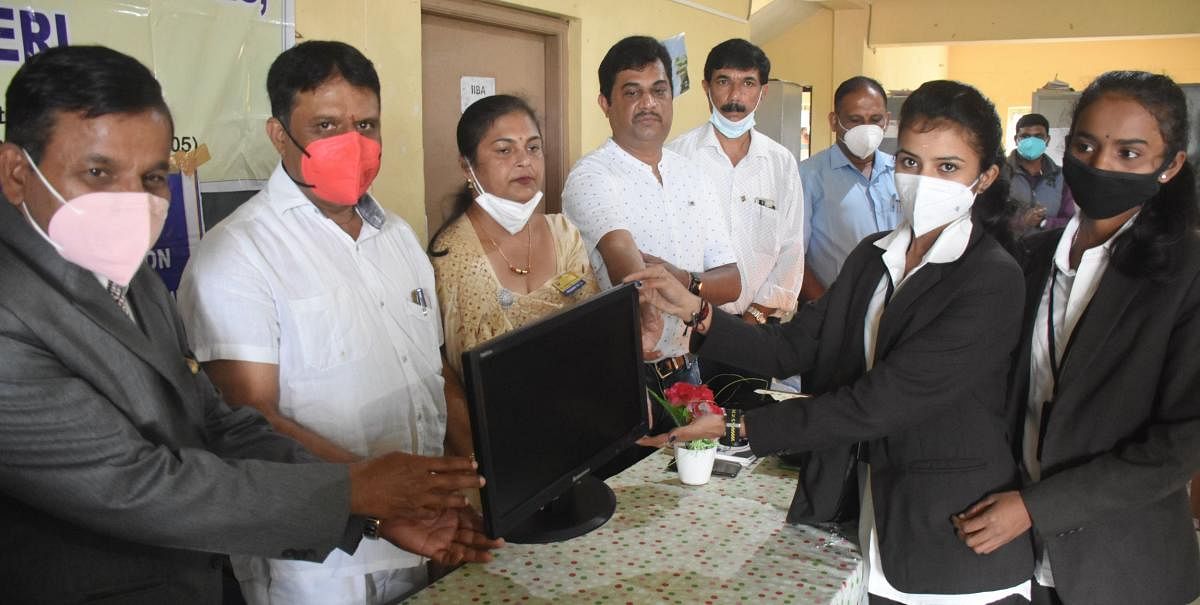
point(725, 542)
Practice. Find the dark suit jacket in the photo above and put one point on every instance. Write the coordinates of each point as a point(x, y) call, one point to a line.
point(121, 470)
point(1123, 437)
point(931, 410)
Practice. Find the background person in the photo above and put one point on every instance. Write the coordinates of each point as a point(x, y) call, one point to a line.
point(1036, 189)
point(1109, 364)
point(500, 265)
point(907, 354)
point(759, 193)
point(849, 190)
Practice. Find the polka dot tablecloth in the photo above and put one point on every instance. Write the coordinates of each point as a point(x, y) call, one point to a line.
point(725, 542)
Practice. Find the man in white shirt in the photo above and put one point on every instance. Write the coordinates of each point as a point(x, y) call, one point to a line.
point(316, 306)
point(635, 202)
point(758, 183)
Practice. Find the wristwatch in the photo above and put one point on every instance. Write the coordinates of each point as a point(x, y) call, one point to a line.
point(696, 283)
point(756, 314)
point(371, 528)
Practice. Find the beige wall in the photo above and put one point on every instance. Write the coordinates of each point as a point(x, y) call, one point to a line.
point(1009, 73)
point(804, 55)
point(389, 33)
point(906, 67)
point(943, 21)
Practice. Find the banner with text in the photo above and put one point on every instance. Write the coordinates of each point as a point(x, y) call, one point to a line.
point(211, 57)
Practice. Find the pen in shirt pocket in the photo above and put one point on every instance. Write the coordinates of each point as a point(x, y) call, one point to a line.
point(418, 297)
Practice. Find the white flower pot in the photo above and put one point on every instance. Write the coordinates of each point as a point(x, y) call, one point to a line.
point(695, 466)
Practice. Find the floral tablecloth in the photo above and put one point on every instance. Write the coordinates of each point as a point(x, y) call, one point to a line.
point(725, 542)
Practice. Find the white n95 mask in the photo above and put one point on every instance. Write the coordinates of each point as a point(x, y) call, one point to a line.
point(511, 215)
point(929, 202)
point(862, 140)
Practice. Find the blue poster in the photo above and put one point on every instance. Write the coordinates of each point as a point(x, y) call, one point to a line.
point(181, 231)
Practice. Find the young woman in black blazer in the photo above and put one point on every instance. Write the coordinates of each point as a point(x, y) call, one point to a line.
point(1107, 388)
point(907, 355)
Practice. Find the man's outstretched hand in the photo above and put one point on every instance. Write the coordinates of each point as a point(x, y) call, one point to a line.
point(454, 536)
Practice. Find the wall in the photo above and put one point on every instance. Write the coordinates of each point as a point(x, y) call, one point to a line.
point(1009, 73)
point(389, 32)
point(942, 21)
point(906, 67)
point(804, 55)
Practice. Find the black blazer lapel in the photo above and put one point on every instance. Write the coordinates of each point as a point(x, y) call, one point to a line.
point(1103, 313)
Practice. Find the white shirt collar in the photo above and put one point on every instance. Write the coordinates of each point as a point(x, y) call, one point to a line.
point(758, 147)
point(1062, 254)
point(283, 195)
point(949, 246)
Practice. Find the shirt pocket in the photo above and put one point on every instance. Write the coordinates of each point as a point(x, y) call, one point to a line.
point(328, 331)
point(762, 217)
point(423, 322)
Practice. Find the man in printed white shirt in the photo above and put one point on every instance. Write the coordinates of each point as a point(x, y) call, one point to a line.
point(316, 306)
point(758, 184)
point(635, 202)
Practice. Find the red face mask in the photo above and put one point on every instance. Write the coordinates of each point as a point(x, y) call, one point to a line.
point(339, 169)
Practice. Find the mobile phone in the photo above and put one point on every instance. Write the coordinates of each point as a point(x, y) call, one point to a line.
point(726, 468)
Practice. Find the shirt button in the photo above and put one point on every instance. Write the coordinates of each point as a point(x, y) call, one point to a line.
point(404, 358)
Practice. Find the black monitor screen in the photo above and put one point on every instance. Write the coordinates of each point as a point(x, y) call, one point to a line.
point(554, 400)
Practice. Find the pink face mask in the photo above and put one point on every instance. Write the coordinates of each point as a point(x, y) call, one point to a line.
point(106, 232)
point(339, 169)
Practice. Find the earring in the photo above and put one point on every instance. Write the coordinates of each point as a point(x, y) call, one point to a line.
point(470, 185)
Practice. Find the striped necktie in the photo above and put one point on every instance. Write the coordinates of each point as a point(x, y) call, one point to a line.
point(117, 292)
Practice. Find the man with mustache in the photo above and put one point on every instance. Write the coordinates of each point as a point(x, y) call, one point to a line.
point(759, 186)
point(635, 203)
point(849, 191)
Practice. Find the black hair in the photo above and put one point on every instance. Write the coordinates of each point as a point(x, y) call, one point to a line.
point(1151, 246)
point(856, 84)
point(737, 54)
point(633, 52)
point(308, 65)
point(940, 101)
point(94, 80)
point(1033, 119)
point(472, 126)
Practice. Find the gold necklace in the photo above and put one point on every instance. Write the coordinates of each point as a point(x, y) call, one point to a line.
point(528, 253)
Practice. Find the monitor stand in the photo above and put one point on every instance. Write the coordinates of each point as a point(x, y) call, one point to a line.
point(588, 504)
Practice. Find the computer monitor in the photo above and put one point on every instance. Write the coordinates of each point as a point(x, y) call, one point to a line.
point(549, 403)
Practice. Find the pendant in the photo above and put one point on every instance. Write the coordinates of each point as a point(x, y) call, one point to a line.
point(518, 271)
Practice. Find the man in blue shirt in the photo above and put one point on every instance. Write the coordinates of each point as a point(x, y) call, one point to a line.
point(848, 188)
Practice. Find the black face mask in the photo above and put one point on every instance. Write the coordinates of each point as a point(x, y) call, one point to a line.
point(1104, 194)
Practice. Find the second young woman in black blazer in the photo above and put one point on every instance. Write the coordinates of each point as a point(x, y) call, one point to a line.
point(1107, 380)
point(908, 352)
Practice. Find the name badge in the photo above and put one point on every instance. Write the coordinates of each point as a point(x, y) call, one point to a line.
point(568, 283)
point(765, 203)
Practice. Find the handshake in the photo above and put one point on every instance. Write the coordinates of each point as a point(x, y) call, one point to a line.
point(421, 502)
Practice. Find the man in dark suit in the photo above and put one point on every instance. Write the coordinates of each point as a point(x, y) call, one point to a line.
point(124, 475)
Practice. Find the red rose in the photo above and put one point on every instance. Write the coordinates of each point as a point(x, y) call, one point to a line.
point(682, 393)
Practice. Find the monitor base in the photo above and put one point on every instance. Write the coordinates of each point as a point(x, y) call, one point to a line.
point(587, 505)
